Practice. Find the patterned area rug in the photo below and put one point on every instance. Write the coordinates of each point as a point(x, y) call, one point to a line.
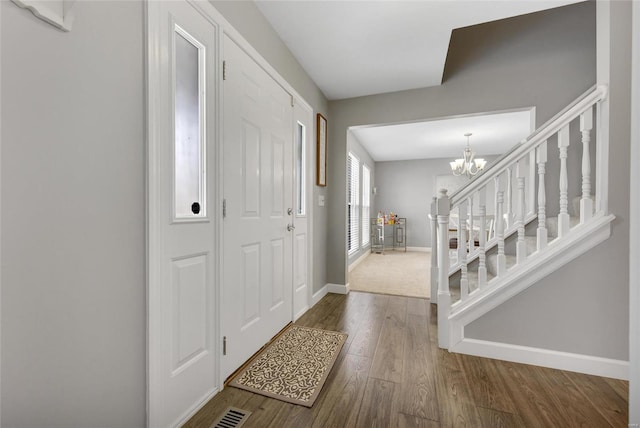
point(294, 367)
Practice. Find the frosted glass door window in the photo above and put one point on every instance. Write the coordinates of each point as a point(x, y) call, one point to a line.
point(189, 168)
point(300, 170)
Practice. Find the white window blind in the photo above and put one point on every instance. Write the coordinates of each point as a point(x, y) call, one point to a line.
point(366, 204)
point(353, 177)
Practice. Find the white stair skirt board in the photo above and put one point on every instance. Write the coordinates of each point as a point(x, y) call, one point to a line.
point(338, 288)
point(558, 253)
point(559, 360)
point(318, 295)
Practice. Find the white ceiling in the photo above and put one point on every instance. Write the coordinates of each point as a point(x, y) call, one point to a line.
point(493, 134)
point(356, 48)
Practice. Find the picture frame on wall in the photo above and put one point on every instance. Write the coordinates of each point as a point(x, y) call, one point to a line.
point(321, 155)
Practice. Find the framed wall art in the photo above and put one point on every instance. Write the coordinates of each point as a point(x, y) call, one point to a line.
point(321, 155)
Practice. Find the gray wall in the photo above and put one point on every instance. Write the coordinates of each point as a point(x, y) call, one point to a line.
point(73, 219)
point(73, 211)
point(545, 60)
point(589, 313)
point(365, 159)
point(249, 21)
point(406, 188)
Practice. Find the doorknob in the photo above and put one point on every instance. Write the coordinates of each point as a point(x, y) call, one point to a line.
point(289, 211)
point(290, 227)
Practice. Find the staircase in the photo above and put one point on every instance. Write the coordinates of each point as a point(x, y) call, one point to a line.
point(518, 221)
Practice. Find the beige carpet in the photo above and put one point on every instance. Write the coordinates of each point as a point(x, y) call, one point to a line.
point(394, 272)
point(294, 367)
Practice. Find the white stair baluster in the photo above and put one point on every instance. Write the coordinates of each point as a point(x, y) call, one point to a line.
point(462, 237)
point(509, 200)
point(531, 190)
point(521, 247)
point(472, 244)
point(462, 255)
point(444, 296)
point(502, 260)
point(482, 238)
point(586, 203)
point(434, 250)
point(541, 157)
point(563, 217)
point(496, 187)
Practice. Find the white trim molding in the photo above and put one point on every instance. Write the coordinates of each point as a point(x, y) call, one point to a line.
point(58, 13)
point(359, 260)
point(338, 288)
point(634, 217)
point(419, 249)
point(318, 295)
point(559, 360)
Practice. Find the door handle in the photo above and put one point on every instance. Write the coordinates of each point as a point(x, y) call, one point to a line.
point(289, 211)
point(290, 227)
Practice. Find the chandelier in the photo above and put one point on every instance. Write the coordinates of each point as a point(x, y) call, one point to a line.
point(468, 165)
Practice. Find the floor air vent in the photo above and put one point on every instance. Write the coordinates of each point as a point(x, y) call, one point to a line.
point(232, 418)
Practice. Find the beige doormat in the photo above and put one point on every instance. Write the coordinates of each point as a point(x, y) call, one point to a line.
point(294, 367)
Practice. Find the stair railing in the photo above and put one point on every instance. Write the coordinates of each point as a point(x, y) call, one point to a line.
point(513, 206)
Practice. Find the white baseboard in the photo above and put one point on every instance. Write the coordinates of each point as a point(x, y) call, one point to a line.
point(419, 249)
point(318, 295)
point(579, 363)
point(338, 288)
point(359, 260)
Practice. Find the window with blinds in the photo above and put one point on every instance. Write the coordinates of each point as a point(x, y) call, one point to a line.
point(366, 204)
point(353, 178)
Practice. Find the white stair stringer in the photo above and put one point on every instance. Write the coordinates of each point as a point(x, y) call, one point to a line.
point(538, 265)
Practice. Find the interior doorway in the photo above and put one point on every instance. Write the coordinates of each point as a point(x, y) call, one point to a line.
point(408, 163)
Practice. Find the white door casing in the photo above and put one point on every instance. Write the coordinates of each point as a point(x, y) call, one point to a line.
point(258, 192)
point(182, 211)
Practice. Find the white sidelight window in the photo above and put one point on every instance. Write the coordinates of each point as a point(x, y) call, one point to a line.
point(366, 204)
point(353, 178)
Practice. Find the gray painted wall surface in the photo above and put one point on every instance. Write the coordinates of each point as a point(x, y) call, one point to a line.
point(249, 21)
point(365, 159)
point(544, 59)
point(73, 219)
point(406, 188)
point(589, 313)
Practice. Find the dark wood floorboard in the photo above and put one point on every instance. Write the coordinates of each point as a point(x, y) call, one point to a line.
point(391, 373)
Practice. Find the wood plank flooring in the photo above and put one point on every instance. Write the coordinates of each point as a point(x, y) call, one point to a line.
point(391, 373)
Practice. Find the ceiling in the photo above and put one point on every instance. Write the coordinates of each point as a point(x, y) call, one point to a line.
point(493, 134)
point(357, 48)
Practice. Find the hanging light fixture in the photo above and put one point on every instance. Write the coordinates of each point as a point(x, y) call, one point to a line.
point(467, 165)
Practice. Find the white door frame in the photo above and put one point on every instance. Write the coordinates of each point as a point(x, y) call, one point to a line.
point(153, 57)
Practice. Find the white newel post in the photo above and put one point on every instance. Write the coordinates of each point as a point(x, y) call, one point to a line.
point(586, 203)
point(462, 255)
point(502, 259)
point(521, 247)
point(444, 297)
point(541, 157)
point(563, 217)
point(434, 249)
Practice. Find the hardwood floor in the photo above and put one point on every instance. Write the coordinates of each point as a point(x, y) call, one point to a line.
point(391, 373)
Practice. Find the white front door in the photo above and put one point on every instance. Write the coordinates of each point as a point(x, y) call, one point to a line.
point(183, 351)
point(258, 192)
